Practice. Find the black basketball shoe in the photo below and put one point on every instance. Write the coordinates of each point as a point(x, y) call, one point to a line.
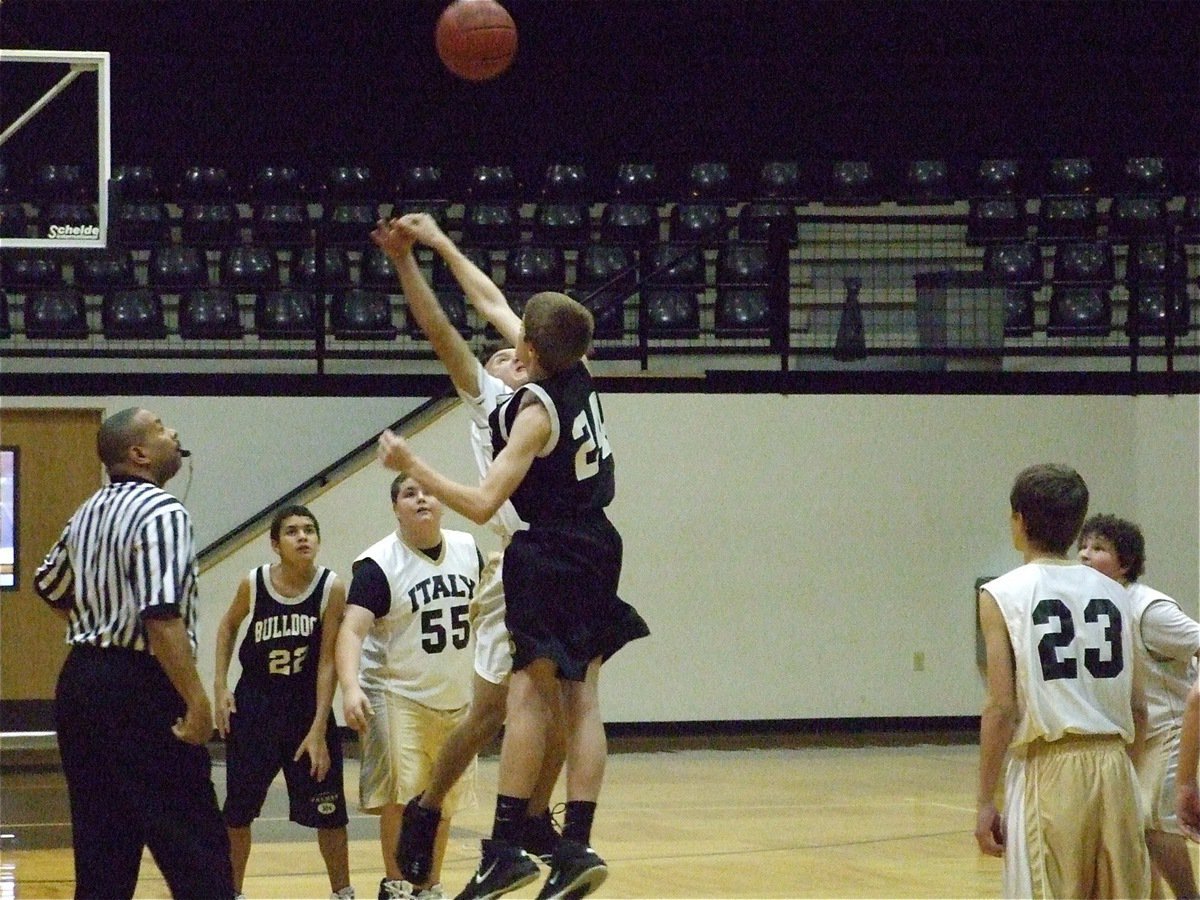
point(504, 868)
point(575, 871)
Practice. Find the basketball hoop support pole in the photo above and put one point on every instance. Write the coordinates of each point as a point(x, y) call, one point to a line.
point(46, 98)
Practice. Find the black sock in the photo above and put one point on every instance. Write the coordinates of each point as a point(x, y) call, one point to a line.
point(537, 817)
point(510, 818)
point(578, 825)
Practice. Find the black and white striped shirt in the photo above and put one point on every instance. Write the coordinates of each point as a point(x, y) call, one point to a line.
point(127, 552)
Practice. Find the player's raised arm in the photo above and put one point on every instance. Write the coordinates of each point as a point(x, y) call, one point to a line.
point(396, 240)
point(480, 290)
point(479, 503)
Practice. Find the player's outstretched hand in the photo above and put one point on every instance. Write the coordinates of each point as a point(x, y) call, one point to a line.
point(393, 240)
point(393, 451)
point(989, 830)
point(422, 228)
point(1187, 804)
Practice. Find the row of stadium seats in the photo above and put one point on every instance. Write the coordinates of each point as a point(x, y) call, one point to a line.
point(354, 314)
point(358, 314)
point(672, 277)
point(348, 224)
point(217, 224)
point(922, 182)
point(249, 267)
point(255, 267)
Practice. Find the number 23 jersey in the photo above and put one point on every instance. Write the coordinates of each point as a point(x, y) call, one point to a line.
point(1071, 634)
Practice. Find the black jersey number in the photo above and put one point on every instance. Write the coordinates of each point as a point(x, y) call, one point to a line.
point(589, 425)
point(1055, 666)
point(434, 638)
point(286, 662)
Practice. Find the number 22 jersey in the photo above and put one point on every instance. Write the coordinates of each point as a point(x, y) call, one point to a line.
point(1071, 634)
point(282, 645)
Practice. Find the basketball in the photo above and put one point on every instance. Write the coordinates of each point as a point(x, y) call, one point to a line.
point(476, 39)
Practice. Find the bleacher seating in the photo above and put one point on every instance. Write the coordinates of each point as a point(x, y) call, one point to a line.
point(1081, 250)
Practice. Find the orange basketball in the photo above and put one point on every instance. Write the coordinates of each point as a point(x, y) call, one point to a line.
point(476, 39)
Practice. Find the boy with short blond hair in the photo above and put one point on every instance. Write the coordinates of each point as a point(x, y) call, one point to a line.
point(483, 384)
point(554, 460)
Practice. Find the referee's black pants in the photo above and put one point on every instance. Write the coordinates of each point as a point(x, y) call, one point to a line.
point(132, 783)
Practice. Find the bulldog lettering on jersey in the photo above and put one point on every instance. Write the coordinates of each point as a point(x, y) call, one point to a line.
point(288, 625)
point(438, 586)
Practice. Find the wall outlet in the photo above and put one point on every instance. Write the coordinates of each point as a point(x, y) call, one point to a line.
point(918, 661)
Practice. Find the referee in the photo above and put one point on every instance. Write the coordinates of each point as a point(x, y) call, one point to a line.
point(131, 713)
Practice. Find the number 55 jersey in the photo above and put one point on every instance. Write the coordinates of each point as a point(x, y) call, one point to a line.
point(1071, 634)
point(420, 647)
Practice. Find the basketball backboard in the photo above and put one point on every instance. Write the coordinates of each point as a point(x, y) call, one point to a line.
point(44, 231)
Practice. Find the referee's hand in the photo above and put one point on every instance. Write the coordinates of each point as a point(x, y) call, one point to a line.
point(196, 726)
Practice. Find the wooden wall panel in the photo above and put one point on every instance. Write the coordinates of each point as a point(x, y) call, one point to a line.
point(58, 470)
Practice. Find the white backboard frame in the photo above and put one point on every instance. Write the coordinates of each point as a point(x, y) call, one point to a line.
point(79, 61)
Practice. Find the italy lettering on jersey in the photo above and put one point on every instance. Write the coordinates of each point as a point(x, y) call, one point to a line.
point(1071, 634)
point(422, 648)
point(283, 640)
point(1166, 676)
point(436, 587)
point(492, 393)
point(574, 473)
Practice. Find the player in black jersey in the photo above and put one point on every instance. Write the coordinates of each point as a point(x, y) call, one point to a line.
point(553, 459)
point(279, 716)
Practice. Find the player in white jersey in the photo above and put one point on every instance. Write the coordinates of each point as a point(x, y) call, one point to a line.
point(1064, 702)
point(1166, 640)
point(482, 387)
point(404, 658)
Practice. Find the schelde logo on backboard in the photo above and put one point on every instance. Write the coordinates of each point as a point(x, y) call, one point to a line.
point(74, 231)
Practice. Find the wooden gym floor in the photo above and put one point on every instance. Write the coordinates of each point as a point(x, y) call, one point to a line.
point(850, 821)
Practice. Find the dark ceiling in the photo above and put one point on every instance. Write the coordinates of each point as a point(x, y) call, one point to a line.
point(243, 83)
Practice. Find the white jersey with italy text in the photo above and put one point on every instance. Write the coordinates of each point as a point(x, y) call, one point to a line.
point(1071, 630)
point(422, 648)
point(1166, 655)
point(492, 392)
